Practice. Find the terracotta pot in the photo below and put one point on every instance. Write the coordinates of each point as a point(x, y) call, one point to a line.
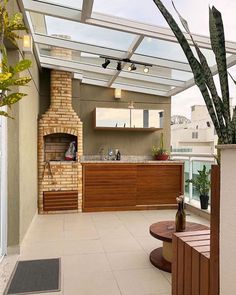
point(162, 157)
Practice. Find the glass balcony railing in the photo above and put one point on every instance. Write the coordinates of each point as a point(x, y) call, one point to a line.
point(193, 163)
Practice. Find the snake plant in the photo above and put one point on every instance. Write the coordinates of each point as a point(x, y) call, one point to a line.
point(217, 104)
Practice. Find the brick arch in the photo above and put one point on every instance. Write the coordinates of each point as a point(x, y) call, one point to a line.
point(67, 130)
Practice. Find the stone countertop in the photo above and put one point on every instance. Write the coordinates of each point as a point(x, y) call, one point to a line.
point(130, 162)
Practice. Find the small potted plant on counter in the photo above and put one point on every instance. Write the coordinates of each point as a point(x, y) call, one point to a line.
point(202, 184)
point(159, 153)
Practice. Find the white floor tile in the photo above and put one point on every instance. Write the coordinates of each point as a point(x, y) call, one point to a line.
point(121, 245)
point(81, 234)
point(80, 265)
point(141, 282)
point(149, 243)
point(102, 253)
point(103, 283)
point(41, 250)
point(82, 247)
point(128, 260)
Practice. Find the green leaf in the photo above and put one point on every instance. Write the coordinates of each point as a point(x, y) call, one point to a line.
point(4, 63)
point(208, 78)
point(21, 66)
point(5, 114)
point(5, 76)
point(14, 82)
point(21, 81)
point(218, 46)
point(11, 99)
point(193, 62)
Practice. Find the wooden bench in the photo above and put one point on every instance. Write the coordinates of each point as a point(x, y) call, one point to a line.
point(195, 265)
point(191, 263)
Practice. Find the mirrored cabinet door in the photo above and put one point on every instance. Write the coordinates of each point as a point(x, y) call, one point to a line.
point(139, 119)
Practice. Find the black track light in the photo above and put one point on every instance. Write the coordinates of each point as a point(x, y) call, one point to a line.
point(106, 63)
point(132, 67)
point(119, 66)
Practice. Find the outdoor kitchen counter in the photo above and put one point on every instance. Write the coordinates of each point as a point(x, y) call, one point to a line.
point(131, 184)
point(154, 162)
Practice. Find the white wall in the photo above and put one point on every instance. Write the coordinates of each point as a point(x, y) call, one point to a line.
point(228, 221)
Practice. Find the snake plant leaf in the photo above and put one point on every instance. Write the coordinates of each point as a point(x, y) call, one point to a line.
point(232, 78)
point(218, 47)
point(218, 104)
point(12, 98)
point(20, 66)
point(193, 62)
point(183, 21)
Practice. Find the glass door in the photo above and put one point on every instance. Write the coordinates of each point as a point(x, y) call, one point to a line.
point(3, 185)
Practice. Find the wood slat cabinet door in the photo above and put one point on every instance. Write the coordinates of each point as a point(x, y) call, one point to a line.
point(159, 184)
point(107, 186)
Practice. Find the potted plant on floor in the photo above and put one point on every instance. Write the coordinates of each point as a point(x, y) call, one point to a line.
point(159, 153)
point(202, 184)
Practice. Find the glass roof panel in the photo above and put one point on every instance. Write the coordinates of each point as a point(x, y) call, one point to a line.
point(157, 71)
point(96, 76)
point(85, 58)
point(136, 10)
point(83, 33)
point(65, 3)
point(170, 50)
point(144, 84)
point(160, 48)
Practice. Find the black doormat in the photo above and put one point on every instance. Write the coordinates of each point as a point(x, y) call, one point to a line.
point(35, 276)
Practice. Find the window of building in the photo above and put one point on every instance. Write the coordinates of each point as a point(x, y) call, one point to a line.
point(195, 135)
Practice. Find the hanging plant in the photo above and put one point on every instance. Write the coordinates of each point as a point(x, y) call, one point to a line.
point(9, 74)
point(218, 105)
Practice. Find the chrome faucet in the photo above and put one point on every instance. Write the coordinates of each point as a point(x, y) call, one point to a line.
point(111, 155)
point(101, 152)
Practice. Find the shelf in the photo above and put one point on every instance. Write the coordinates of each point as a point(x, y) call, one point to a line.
point(127, 129)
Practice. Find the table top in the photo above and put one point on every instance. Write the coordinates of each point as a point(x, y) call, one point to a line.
point(164, 230)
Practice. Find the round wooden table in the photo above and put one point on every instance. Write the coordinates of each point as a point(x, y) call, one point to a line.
point(163, 230)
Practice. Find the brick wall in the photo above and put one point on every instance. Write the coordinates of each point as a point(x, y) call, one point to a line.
point(60, 118)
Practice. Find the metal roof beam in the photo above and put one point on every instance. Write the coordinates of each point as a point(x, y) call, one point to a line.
point(71, 65)
point(98, 50)
point(78, 67)
point(137, 41)
point(87, 9)
point(52, 10)
point(140, 89)
point(120, 24)
point(73, 45)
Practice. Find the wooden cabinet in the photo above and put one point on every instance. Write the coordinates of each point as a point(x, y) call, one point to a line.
point(107, 186)
point(158, 184)
point(119, 186)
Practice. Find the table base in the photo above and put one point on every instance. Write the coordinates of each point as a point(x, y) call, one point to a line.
point(159, 261)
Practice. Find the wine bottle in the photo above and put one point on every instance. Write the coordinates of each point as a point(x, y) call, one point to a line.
point(180, 218)
point(118, 155)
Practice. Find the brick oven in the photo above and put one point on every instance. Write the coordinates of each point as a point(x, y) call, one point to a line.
point(60, 180)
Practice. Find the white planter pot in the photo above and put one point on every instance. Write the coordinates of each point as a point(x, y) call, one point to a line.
point(228, 220)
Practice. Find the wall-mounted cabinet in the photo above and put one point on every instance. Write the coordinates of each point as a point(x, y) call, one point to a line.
point(128, 119)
